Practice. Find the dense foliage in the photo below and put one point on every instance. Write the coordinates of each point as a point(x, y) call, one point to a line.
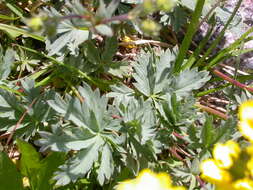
point(93, 92)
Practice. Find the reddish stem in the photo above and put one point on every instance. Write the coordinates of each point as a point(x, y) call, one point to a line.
point(234, 82)
point(19, 121)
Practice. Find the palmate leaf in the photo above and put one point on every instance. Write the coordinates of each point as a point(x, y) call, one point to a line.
point(138, 132)
point(154, 77)
point(106, 168)
point(80, 164)
point(6, 62)
point(177, 18)
point(70, 33)
point(12, 108)
point(176, 112)
point(189, 80)
point(152, 73)
point(121, 93)
point(86, 130)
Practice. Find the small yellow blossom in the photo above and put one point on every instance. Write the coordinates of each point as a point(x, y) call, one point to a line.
point(26, 182)
point(149, 180)
point(212, 173)
point(249, 163)
point(243, 184)
point(246, 110)
point(246, 119)
point(232, 167)
point(246, 128)
point(225, 154)
point(128, 42)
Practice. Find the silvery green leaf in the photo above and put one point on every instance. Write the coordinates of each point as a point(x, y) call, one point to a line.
point(189, 80)
point(105, 30)
point(106, 168)
point(152, 74)
point(78, 166)
point(6, 61)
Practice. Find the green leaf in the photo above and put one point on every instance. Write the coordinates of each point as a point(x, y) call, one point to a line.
point(92, 53)
point(192, 27)
point(207, 132)
point(89, 127)
point(111, 47)
point(5, 17)
point(80, 164)
point(106, 168)
point(10, 178)
point(48, 166)
point(121, 93)
point(30, 160)
point(104, 30)
point(71, 38)
point(6, 62)
point(152, 74)
point(37, 170)
point(14, 31)
point(189, 80)
point(70, 33)
point(118, 69)
point(107, 11)
point(177, 18)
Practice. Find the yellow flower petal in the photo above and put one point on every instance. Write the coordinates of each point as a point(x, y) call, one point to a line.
point(128, 42)
point(148, 180)
point(225, 154)
point(246, 110)
point(26, 182)
point(212, 173)
point(243, 184)
point(246, 128)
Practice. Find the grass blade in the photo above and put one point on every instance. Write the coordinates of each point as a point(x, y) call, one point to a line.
point(220, 36)
point(13, 29)
point(192, 27)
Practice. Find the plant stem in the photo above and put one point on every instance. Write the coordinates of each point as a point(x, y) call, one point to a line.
point(234, 82)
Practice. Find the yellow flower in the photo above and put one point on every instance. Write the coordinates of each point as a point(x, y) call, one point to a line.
point(243, 184)
point(249, 151)
point(232, 167)
point(128, 42)
point(26, 182)
point(148, 180)
point(246, 110)
point(212, 173)
point(246, 128)
point(225, 154)
point(246, 119)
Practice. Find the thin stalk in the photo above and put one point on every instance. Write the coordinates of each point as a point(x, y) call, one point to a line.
point(231, 47)
point(220, 36)
point(234, 82)
point(212, 111)
point(20, 121)
point(192, 27)
point(96, 82)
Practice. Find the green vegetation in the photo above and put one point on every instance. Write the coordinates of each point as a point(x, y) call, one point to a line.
point(92, 92)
